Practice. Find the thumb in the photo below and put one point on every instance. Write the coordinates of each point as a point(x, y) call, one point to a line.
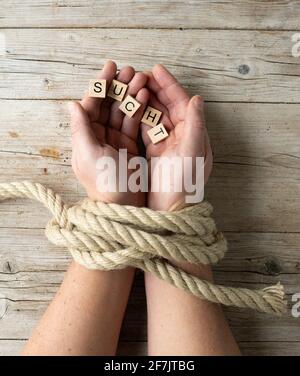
point(194, 125)
point(194, 117)
point(196, 135)
point(82, 135)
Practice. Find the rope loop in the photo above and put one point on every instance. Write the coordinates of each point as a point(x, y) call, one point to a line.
point(110, 236)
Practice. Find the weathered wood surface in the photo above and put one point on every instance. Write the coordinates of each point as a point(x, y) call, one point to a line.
point(32, 269)
point(222, 65)
point(196, 14)
point(255, 186)
point(140, 348)
point(53, 47)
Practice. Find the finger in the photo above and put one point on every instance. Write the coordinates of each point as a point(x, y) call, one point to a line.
point(165, 117)
point(152, 84)
point(83, 137)
point(118, 141)
point(136, 84)
point(92, 105)
point(145, 137)
point(130, 126)
point(194, 125)
point(99, 132)
point(196, 135)
point(116, 115)
point(124, 76)
point(194, 118)
point(169, 92)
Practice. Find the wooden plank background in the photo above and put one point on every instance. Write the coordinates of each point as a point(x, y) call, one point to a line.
point(141, 14)
point(235, 53)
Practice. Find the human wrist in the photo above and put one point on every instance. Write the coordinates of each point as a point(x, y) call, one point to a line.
point(200, 270)
point(165, 203)
point(174, 204)
point(134, 199)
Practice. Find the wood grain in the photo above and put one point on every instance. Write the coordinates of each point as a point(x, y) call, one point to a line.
point(254, 186)
point(233, 53)
point(251, 14)
point(224, 66)
point(13, 347)
point(247, 141)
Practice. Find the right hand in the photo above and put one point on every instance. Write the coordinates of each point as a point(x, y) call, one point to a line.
point(100, 129)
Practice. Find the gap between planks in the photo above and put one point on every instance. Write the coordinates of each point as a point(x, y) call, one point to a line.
point(206, 101)
point(147, 28)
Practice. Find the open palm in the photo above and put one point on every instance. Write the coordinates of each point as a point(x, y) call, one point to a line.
point(100, 129)
point(184, 120)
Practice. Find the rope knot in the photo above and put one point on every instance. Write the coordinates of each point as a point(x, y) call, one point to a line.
point(110, 236)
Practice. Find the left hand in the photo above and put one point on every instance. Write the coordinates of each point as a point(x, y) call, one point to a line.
point(184, 120)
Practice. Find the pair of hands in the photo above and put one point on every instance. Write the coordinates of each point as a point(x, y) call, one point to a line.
point(100, 129)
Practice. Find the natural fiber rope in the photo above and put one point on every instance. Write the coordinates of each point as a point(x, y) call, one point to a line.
point(110, 236)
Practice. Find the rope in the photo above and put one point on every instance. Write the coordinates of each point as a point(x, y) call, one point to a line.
point(110, 236)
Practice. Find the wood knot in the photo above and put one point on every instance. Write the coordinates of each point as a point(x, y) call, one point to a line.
point(244, 69)
point(13, 134)
point(47, 83)
point(273, 267)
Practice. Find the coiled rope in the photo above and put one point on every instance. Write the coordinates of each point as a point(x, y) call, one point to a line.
point(110, 236)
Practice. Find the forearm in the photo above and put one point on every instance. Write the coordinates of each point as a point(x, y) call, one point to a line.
point(86, 314)
point(182, 324)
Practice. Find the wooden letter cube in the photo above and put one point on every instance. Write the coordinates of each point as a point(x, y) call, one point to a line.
point(97, 88)
point(157, 133)
point(117, 90)
point(129, 106)
point(151, 116)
